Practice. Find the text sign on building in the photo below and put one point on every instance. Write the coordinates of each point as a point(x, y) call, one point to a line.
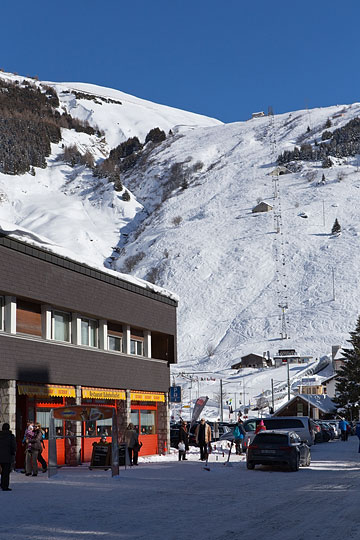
point(175, 394)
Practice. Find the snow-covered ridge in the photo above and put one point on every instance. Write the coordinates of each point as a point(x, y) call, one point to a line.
point(202, 240)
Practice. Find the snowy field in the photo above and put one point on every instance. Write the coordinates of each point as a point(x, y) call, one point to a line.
point(165, 499)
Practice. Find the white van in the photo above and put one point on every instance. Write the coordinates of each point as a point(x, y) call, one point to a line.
point(299, 424)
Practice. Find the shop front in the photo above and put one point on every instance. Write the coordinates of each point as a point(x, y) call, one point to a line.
point(75, 442)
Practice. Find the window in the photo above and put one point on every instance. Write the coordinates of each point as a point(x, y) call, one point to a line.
point(147, 422)
point(2, 310)
point(136, 347)
point(61, 326)
point(43, 417)
point(134, 418)
point(28, 318)
point(115, 343)
point(115, 337)
point(89, 331)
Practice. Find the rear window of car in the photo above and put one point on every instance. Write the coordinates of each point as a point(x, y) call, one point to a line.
point(283, 423)
point(271, 438)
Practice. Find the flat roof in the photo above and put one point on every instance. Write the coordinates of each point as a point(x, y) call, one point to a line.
point(86, 270)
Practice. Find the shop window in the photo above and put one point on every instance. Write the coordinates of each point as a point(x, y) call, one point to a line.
point(89, 332)
point(134, 419)
point(61, 326)
point(2, 310)
point(28, 318)
point(103, 427)
point(147, 423)
point(43, 417)
point(136, 347)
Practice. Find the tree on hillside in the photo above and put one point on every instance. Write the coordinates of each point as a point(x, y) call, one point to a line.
point(348, 380)
point(336, 229)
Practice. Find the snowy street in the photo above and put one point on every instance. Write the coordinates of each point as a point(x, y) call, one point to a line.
point(165, 499)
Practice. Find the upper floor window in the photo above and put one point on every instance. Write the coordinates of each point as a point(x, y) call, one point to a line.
point(115, 337)
point(61, 325)
point(137, 342)
point(89, 332)
point(2, 313)
point(28, 318)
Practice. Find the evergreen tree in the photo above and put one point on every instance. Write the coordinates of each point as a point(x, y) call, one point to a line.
point(348, 381)
point(336, 229)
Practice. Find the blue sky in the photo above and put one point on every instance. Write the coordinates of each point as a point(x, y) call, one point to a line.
point(222, 59)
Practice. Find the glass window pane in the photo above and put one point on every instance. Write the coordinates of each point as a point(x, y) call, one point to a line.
point(147, 419)
point(132, 346)
point(115, 343)
point(139, 346)
point(84, 332)
point(134, 419)
point(103, 427)
point(61, 326)
point(92, 333)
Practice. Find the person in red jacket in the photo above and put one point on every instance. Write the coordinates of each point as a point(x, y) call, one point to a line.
point(260, 427)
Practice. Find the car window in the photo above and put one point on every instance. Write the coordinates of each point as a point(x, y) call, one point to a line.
point(271, 438)
point(250, 425)
point(283, 423)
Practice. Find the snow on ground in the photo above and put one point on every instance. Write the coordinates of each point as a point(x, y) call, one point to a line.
point(169, 500)
point(227, 265)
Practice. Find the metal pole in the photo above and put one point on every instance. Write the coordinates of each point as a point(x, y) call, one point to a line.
point(221, 401)
point(272, 394)
point(288, 378)
point(323, 213)
point(333, 282)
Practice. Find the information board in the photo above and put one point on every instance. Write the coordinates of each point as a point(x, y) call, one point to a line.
point(101, 456)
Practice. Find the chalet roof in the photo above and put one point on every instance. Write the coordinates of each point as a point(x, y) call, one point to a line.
point(320, 401)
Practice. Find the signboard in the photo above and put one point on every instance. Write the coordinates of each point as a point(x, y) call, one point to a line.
point(102, 393)
point(124, 459)
point(140, 396)
point(46, 390)
point(83, 413)
point(199, 405)
point(101, 456)
point(175, 394)
point(287, 352)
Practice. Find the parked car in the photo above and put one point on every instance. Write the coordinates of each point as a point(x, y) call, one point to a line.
point(298, 424)
point(335, 425)
point(278, 447)
point(325, 431)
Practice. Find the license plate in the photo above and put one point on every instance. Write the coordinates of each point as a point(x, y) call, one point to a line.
point(268, 451)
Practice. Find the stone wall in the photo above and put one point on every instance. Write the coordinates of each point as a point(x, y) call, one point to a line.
point(8, 403)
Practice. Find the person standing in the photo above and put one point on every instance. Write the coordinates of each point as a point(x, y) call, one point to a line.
point(132, 441)
point(260, 427)
point(7, 455)
point(41, 460)
point(343, 428)
point(239, 435)
point(203, 438)
point(183, 445)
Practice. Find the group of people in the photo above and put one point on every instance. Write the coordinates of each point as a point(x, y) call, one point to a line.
point(203, 438)
point(34, 444)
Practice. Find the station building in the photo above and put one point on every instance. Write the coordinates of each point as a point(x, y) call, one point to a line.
point(71, 334)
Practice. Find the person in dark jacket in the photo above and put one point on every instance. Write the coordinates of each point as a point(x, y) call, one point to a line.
point(40, 458)
point(184, 439)
point(7, 455)
point(132, 441)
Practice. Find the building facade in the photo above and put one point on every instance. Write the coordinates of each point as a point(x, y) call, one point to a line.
point(72, 334)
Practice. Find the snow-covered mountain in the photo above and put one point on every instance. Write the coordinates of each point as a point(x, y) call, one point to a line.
point(189, 225)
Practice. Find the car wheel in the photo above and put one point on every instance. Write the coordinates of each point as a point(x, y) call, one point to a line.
point(294, 463)
point(250, 465)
